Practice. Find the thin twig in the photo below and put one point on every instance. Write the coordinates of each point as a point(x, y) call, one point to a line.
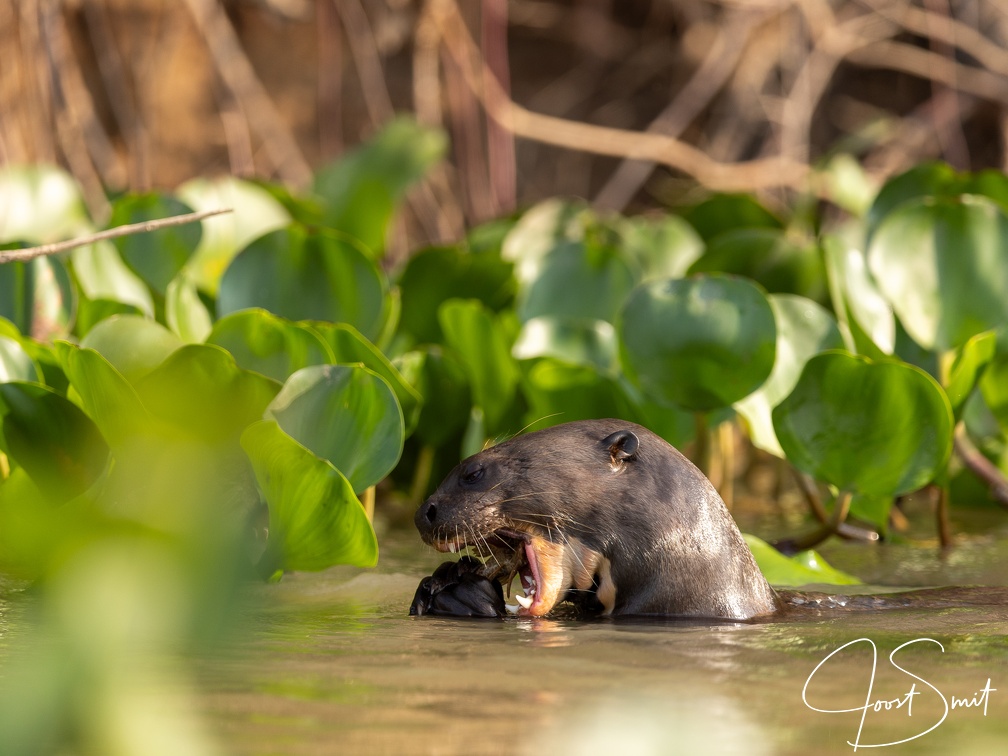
point(30, 253)
point(980, 466)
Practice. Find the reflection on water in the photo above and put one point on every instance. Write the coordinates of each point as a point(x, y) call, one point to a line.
point(334, 665)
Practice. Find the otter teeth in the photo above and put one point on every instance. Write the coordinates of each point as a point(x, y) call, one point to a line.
point(523, 600)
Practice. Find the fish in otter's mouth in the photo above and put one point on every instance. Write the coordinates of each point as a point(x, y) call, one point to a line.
point(546, 569)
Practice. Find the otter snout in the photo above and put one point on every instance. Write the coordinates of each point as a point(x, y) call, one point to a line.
point(425, 518)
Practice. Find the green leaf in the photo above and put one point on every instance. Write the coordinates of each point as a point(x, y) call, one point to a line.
point(970, 362)
point(91, 312)
point(16, 364)
point(37, 296)
point(362, 190)
point(941, 263)
point(926, 180)
point(880, 428)
point(994, 383)
point(105, 395)
point(662, 246)
point(577, 280)
point(560, 392)
point(200, 390)
point(102, 274)
point(480, 342)
point(52, 439)
point(133, 345)
point(769, 257)
point(436, 274)
point(40, 204)
point(441, 379)
point(302, 275)
point(349, 346)
point(253, 213)
point(804, 329)
point(156, 256)
point(701, 343)
point(725, 212)
point(260, 341)
point(579, 342)
point(540, 230)
point(803, 568)
point(315, 520)
point(863, 314)
point(185, 312)
point(345, 414)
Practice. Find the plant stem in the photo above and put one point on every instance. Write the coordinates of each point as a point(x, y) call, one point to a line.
point(368, 500)
point(980, 466)
point(944, 529)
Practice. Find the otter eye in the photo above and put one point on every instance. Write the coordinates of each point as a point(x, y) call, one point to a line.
point(472, 475)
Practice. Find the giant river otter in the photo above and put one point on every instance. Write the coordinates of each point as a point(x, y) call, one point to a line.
point(603, 513)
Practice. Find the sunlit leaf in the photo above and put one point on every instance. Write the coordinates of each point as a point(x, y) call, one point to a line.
point(200, 390)
point(662, 246)
point(941, 263)
point(315, 520)
point(970, 362)
point(155, 256)
point(38, 297)
point(577, 280)
point(541, 229)
point(881, 428)
point(40, 204)
point(804, 329)
point(701, 343)
point(102, 274)
point(51, 438)
point(804, 568)
point(579, 342)
point(185, 312)
point(345, 414)
point(925, 180)
point(307, 275)
point(253, 213)
point(260, 341)
point(863, 313)
point(362, 189)
point(15, 363)
point(132, 344)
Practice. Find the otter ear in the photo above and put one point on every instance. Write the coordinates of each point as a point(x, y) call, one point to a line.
point(622, 445)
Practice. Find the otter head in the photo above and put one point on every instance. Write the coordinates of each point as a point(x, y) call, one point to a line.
point(538, 506)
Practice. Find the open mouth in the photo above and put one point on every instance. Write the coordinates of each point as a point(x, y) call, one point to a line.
point(516, 553)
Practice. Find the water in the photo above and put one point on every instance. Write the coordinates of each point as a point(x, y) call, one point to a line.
point(331, 663)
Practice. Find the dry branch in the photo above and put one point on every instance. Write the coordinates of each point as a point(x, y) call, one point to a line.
point(30, 253)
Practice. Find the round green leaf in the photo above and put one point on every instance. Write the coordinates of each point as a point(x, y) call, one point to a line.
point(302, 275)
point(156, 256)
point(315, 520)
point(16, 364)
point(253, 213)
point(941, 263)
point(40, 204)
point(349, 346)
point(701, 343)
point(52, 439)
point(662, 246)
point(804, 329)
point(201, 390)
point(102, 274)
point(481, 343)
point(863, 313)
point(769, 257)
point(362, 190)
point(579, 342)
point(345, 414)
point(925, 180)
point(260, 341)
point(971, 360)
point(91, 312)
point(577, 280)
point(434, 275)
point(441, 379)
point(132, 344)
point(37, 296)
point(877, 428)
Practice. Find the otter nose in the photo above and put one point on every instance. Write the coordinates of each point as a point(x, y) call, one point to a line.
point(425, 516)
